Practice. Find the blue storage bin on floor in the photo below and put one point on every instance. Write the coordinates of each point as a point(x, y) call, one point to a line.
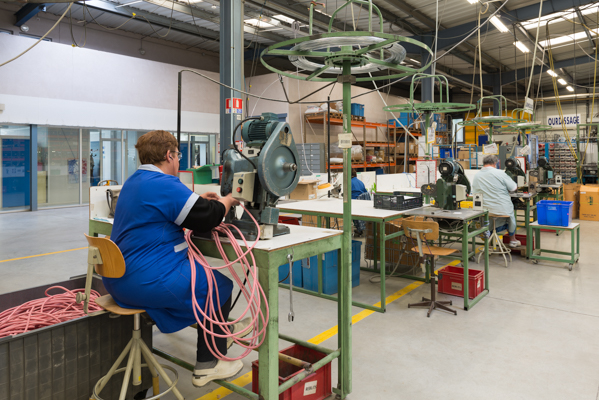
point(329, 270)
point(297, 274)
point(554, 212)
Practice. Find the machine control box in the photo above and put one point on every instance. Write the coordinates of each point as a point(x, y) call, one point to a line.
point(250, 151)
point(460, 193)
point(477, 202)
point(243, 186)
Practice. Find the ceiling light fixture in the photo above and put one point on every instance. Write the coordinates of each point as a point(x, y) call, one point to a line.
point(563, 82)
point(498, 24)
point(570, 88)
point(284, 18)
point(550, 72)
point(126, 4)
point(472, 1)
point(522, 47)
point(213, 6)
point(416, 61)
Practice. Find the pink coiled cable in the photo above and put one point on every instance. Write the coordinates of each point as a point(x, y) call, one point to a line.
point(49, 310)
point(253, 292)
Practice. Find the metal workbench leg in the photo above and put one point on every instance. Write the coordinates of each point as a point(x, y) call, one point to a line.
point(383, 265)
point(319, 256)
point(486, 250)
point(268, 353)
point(572, 247)
point(465, 262)
point(527, 225)
point(578, 240)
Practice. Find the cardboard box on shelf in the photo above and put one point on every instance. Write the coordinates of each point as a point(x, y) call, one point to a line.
point(465, 154)
point(305, 190)
point(572, 193)
point(311, 220)
point(589, 203)
point(464, 164)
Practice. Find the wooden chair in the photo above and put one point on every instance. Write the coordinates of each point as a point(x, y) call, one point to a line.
point(423, 231)
point(107, 260)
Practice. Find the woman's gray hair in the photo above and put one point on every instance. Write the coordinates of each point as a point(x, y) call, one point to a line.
point(490, 160)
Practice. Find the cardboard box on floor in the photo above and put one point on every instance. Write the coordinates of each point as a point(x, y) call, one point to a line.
point(306, 190)
point(572, 193)
point(589, 203)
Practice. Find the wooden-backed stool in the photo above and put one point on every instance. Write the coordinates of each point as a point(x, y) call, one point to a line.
point(497, 246)
point(423, 231)
point(105, 257)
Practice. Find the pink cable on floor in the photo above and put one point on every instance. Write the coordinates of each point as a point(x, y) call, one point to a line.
point(49, 310)
point(253, 292)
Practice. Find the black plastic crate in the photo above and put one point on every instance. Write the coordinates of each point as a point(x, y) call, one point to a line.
point(64, 361)
point(396, 202)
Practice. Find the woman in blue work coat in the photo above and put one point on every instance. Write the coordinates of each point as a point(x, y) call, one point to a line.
point(152, 209)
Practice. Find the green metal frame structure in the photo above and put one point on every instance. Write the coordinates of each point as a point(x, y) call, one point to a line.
point(492, 120)
point(534, 252)
point(467, 238)
point(428, 107)
point(379, 240)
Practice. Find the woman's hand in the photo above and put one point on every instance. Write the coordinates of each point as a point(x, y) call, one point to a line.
point(210, 196)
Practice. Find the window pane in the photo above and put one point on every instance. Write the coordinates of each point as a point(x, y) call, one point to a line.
point(58, 166)
point(112, 156)
point(132, 158)
point(15, 171)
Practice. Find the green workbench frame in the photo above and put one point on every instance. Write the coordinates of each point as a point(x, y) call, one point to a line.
point(535, 251)
point(556, 194)
point(379, 225)
point(467, 238)
point(268, 263)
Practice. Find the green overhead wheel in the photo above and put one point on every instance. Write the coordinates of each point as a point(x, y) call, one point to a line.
point(429, 107)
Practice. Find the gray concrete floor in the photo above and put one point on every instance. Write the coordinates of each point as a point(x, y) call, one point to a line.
point(533, 337)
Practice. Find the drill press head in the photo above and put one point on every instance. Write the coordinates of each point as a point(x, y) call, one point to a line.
point(453, 186)
point(513, 170)
point(267, 170)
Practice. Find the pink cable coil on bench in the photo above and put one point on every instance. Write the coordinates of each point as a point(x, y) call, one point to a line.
point(46, 311)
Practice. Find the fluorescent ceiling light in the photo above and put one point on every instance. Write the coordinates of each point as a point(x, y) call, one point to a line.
point(550, 72)
point(416, 61)
point(498, 24)
point(522, 47)
point(472, 1)
point(126, 4)
point(563, 82)
point(322, 12)
point(259, 24)
point(570, 88)
point(569, 14)
point(567, 38)
point(284, 18)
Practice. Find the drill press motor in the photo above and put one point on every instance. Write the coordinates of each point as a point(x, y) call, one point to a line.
point(266, 170)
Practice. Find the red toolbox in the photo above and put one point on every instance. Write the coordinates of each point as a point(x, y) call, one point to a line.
point(316, 386)
point(451, 281)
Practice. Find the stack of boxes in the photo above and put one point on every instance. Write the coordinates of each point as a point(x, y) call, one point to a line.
point(395, 249)
point(470, 159)
point(562, 161)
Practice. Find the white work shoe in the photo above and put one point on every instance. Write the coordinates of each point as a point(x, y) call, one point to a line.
point(242, 326)
point(515, 243)
point(223, 370)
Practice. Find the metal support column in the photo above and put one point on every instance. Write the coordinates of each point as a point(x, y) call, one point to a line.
point(345, 285)
point(231, 65)
point(33, 167)
point(427, 92)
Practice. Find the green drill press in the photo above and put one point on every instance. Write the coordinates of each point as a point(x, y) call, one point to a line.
point(451, 188)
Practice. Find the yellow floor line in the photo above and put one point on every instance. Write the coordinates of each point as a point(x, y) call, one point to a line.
point(45, 254)
point(329, 333)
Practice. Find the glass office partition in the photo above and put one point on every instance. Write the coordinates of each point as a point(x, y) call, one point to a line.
point(15, 167)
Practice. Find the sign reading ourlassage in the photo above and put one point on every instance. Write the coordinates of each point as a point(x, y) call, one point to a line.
point(570, 120)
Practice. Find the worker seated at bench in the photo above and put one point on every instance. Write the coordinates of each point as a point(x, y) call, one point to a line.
point(152, 209)
point(495, 186)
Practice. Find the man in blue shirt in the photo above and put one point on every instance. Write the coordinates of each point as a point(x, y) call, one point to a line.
point(495, 186)
point(152, 210)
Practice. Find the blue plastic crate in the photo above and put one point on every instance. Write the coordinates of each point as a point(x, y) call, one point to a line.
point(329, 270)
point(297, 274)
point(554, 212)
point(357, 109)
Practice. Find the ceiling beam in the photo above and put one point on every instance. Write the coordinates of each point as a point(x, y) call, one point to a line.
point(586, 29)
